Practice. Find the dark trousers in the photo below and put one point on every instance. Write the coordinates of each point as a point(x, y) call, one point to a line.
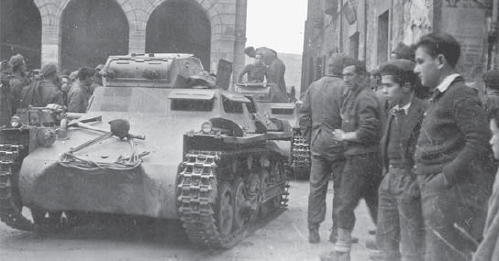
point(400, 229)
point(442, 207)
point(360, 179)
point(321, 170)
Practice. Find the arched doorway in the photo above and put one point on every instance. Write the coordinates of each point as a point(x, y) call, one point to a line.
point(179, 27)
point(91, 30)
point(21, 31)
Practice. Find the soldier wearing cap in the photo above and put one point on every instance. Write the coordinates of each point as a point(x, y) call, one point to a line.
point(19, 80)
point(319, 115)
point(43, 91)
point(80, 92)
point(400, 229)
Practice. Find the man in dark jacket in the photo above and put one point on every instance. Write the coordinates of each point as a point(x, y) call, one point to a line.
point(43, 91)
point(319, 116)
point(19, 80)
point(360, 133)
point(453, 163)
point(80, 92)
point(400, 229)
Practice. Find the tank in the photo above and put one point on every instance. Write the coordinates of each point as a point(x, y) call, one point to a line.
point(298, 151)
point(159, 140)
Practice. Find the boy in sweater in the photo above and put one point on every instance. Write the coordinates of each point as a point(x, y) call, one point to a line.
point(452, 155)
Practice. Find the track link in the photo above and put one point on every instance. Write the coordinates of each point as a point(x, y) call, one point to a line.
point(10, 210)
point(200, 196)
point(300, 156)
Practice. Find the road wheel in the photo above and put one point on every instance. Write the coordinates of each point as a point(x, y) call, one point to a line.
point(225, 211)
point(239, 203)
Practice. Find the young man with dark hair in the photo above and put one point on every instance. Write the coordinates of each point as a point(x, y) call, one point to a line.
point(256, 72)
point(452, 156)
point(400, 229)
point(80, 92)
point(360, 133)
point(319, 115)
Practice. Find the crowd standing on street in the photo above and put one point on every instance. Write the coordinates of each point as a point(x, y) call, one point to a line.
point(20, 89)
point(416, 151)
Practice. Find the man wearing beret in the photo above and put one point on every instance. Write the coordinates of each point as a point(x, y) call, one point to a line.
point(453, 159)
point(18, 81)
point(44, 91)
point(400, 229)
point(319, 115)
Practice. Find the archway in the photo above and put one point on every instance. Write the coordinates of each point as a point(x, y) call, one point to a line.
point(21, 31)
point(180, 27)
point(91, 30)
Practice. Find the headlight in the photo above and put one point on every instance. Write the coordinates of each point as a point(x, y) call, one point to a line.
point(206, 127)
point(46, 137)
point(15, 122)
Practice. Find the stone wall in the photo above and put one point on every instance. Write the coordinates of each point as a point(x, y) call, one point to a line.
point(227, 18)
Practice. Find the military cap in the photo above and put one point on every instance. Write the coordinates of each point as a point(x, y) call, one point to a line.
point(491, 79)
point(404, 51)
point(16, 60)
point(99, 67)
point(339, 61)
point(73, 75)
point(48, 69)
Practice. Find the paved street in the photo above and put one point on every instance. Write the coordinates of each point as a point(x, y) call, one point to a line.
point(281, 238)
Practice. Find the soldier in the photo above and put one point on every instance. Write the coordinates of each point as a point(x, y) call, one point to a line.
point(319, 115)
point(80, 92)
point(97, 78)
point(43, 91)
point(400, 230)
point(18, 81)
point(256, 72)
point(360, 133)
point(453, 163)
point(5, 95)
point(276, 71)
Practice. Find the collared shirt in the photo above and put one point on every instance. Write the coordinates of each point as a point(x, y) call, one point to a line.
point(405, 108)
point(444, 85)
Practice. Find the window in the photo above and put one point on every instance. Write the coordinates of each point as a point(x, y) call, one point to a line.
point(283, 111)
point(232, 106)
point(191, 105)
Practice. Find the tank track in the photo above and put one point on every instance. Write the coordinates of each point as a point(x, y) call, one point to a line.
point(300, 156)
point(10, 210)
point(197, 192)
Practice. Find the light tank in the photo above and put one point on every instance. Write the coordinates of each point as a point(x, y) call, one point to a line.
point(298, 151)
point(158, 140)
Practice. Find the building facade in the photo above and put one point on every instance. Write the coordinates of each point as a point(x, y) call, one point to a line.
point(370, 29)
point(75, 33)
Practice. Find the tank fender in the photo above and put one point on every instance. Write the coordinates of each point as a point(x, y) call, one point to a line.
point(227, 127)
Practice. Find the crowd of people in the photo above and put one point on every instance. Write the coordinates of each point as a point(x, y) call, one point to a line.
point(412, 140)
point(48, 86)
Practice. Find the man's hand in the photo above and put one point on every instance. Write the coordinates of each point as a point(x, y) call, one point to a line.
point(338, 134)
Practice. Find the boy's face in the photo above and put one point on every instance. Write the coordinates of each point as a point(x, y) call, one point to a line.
point(494, 141)
point(427, 68)
point(391, 90)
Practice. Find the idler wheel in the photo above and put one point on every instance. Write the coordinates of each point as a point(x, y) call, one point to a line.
point(225, 216)
point(241, 206)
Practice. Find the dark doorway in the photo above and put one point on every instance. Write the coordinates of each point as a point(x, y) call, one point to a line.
point(92, 30)
point(21, 31)
point(354, 45)
point(179, 27)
